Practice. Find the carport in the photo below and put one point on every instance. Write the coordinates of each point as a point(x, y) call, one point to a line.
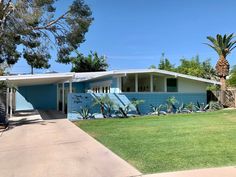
point(36, 80)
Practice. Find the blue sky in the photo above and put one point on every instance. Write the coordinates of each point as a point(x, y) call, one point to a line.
point(134, 33)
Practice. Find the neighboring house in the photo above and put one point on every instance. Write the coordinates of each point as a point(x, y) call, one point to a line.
point(154, 86)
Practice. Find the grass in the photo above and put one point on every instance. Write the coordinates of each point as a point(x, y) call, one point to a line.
point(170, 143)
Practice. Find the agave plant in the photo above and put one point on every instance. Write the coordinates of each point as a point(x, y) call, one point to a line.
point(157, 110)
point(223, 45)
point(170, 104)
point(182, 109)
point(84, 113)
point(191, 107)
point(106, 105)
point(202, 107)
point(136, 104)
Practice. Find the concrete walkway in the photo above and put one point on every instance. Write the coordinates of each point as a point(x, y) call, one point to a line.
point(56, 148)
point(208, 172)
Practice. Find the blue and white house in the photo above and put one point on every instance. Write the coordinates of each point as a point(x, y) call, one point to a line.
point(69, 92)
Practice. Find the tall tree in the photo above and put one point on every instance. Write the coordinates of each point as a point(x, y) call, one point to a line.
point(196, 68)
point(37, 61)
point(32, 27)
point(223, 45)
point(165, 63)
point(89, 63)
point(232, 77)
point(3, 68)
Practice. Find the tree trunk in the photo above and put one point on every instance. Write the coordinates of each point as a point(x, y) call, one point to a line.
point(223, 83)
point(32, 70)
point(223, 89)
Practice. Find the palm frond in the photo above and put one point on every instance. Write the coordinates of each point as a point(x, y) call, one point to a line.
point(214, 48)
point(223, 45)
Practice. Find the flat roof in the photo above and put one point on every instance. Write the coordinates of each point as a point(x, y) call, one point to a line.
point(79, 77)
point(49, 78)
point(37, 79)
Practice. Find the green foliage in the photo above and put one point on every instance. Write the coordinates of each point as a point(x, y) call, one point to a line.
point(37, 60)
point(84, 113)
point(136, 104)
point(89, 63)
point(196, 68)
point(202, 107)
point(165, 64)
point(158, 110)
point(3, 68)
point(213, 88)
point(232, 77)
point(170, 104)
point(106, 105)
point(182, 109)
point(223, 45)
point(187, 66)
point(191, 107)
point(33, 28)
point(152, 67)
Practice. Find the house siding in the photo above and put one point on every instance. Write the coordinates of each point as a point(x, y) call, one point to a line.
point(99, 82)
point(191, 86)
point(156, 99)
point(36, 97)
point(76, 101)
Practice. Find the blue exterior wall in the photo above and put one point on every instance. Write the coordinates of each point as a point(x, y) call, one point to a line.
point(156, 99)
point(76, 101)
point(37, 97)
point(113, 80)
point(22, 103)
point(78, 86)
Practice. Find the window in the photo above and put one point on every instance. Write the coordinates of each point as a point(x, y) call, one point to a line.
point(171, 84)
point(102, 89)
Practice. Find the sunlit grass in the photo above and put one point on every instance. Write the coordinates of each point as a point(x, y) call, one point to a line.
point(170, 143)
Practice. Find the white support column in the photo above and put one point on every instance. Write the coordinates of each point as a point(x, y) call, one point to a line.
point(7, 102)
point(70, 86)
point(100, 90)
point(136, 82)
point(10, 102)
point(165, 84)
point(63, 97)
point(58, 97)
point(119, 85)
point(151, 83)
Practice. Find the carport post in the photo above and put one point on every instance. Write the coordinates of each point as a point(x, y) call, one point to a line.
point(57, 97)
point(70, 86)
point(7, 102)
point(151, 83)
point(63, 97)
point(136, 82)
point(10, 102)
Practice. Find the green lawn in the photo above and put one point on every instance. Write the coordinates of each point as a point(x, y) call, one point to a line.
point(170, 143)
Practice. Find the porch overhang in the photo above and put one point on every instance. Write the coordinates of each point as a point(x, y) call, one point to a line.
point(31, 80)
point(37, 79)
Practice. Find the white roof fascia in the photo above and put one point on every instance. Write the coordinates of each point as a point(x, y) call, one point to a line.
point(36, 76)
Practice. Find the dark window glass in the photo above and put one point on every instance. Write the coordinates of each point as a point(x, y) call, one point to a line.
point(172, 85)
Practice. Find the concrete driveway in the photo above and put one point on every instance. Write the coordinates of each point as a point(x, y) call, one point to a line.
point(56, 148)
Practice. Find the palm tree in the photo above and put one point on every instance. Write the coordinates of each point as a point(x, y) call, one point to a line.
point(89, 63)
point(223, 45)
